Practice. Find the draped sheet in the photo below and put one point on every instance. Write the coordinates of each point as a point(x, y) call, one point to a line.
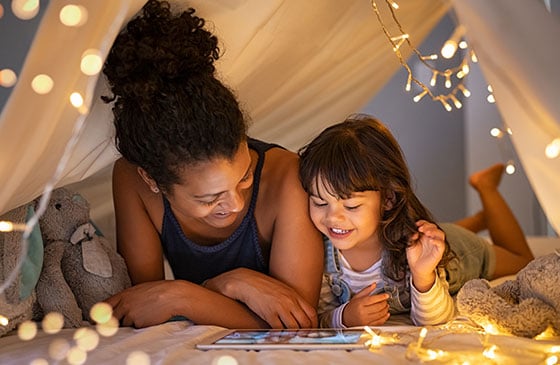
point(295, 65)
point(517, 45)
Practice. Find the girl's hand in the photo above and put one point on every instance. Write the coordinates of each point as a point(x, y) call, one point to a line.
point(275, 302)
point(365, 309)
point(424, 253)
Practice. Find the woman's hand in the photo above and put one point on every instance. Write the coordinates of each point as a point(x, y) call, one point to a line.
point(275, 302)
point(424, 253)
point(148, 303)
point(365, 309)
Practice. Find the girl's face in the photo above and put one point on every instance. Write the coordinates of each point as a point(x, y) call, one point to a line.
point(215, 192)
point(349, 223)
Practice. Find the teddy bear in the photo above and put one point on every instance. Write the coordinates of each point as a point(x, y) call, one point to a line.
point(18, 295)
point(525, 306)
point(80, 266)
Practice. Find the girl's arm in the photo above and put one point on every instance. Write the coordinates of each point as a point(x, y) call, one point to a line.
point(430, 299)
point(433, 307)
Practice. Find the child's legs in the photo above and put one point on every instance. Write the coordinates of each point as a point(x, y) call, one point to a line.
point(510, 244)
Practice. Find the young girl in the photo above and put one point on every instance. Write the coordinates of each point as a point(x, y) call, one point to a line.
point(227, 211)
point(384, 254)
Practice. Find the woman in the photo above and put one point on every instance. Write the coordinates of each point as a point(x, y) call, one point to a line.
point(226, 210)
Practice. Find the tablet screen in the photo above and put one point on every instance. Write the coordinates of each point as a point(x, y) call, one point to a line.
point(289, 339)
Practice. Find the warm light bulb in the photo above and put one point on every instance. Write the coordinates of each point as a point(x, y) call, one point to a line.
point(510, 168)
point(408, 82)
point(53, 322)
point(420, 96)
point(27, 330)
point(449, 48)
point(141, 358)
point(464, 90)
point(445, 105)
point(76, 99)
point(552, 150)
point(73, 15)
point(447, 81)
point(86, 338)
point(400, 40)
point(463, 45)
point(473, 57)
point(4, 321)
point(456, 101)
point(42, 84)
point(434, 78)
point(491, 99)
point(25, 9)
point(76, 356)
point(394, 5)
point(8, 78)
point(101, 312)
point(92, 62)
point(58, 349)
point(108, 328)
point(496, 132)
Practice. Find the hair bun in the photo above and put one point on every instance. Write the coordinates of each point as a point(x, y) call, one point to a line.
point(159, 49)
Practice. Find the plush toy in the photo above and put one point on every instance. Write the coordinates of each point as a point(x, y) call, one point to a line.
point(525, 307)
point(80, 266)
point(18, 296)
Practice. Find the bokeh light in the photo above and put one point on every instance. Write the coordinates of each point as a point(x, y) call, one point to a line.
point(3, 320)
point(39, 361)
point(86, 338)
point(101, 312)
point(108, 328)
point(27, 330)
point(73, 15)
point(225, 360)
point(42, 84)
point(76, 99)
point(138, 358)
point(8, 77)
point(92, 62)
point(76, 356)
point(53, 322)
point(58, 349)
point(25, 9)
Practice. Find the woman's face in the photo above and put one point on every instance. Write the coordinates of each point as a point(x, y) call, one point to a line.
point(214, 192)
point(348, 223)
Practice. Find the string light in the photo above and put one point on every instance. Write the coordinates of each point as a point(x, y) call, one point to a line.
point(421, 346)
point(460, 71)
point(505, 150)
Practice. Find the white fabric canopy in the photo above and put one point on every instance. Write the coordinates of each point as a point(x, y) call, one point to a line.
point(295, 66)
point(517, 44)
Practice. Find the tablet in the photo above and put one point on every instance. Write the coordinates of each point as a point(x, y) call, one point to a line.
point(296, 339)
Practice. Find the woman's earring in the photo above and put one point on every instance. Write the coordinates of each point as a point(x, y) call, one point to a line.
point(155, 189)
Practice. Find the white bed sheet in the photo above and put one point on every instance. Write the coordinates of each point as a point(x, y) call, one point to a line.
point(174, 343)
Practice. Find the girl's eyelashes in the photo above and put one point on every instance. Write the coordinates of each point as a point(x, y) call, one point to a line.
point(353, 207)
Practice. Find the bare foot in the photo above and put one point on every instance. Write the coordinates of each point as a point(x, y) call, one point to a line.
point(487, 179)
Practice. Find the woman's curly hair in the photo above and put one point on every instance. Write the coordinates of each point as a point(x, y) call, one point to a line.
point(169, 108)
point(361, 154)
